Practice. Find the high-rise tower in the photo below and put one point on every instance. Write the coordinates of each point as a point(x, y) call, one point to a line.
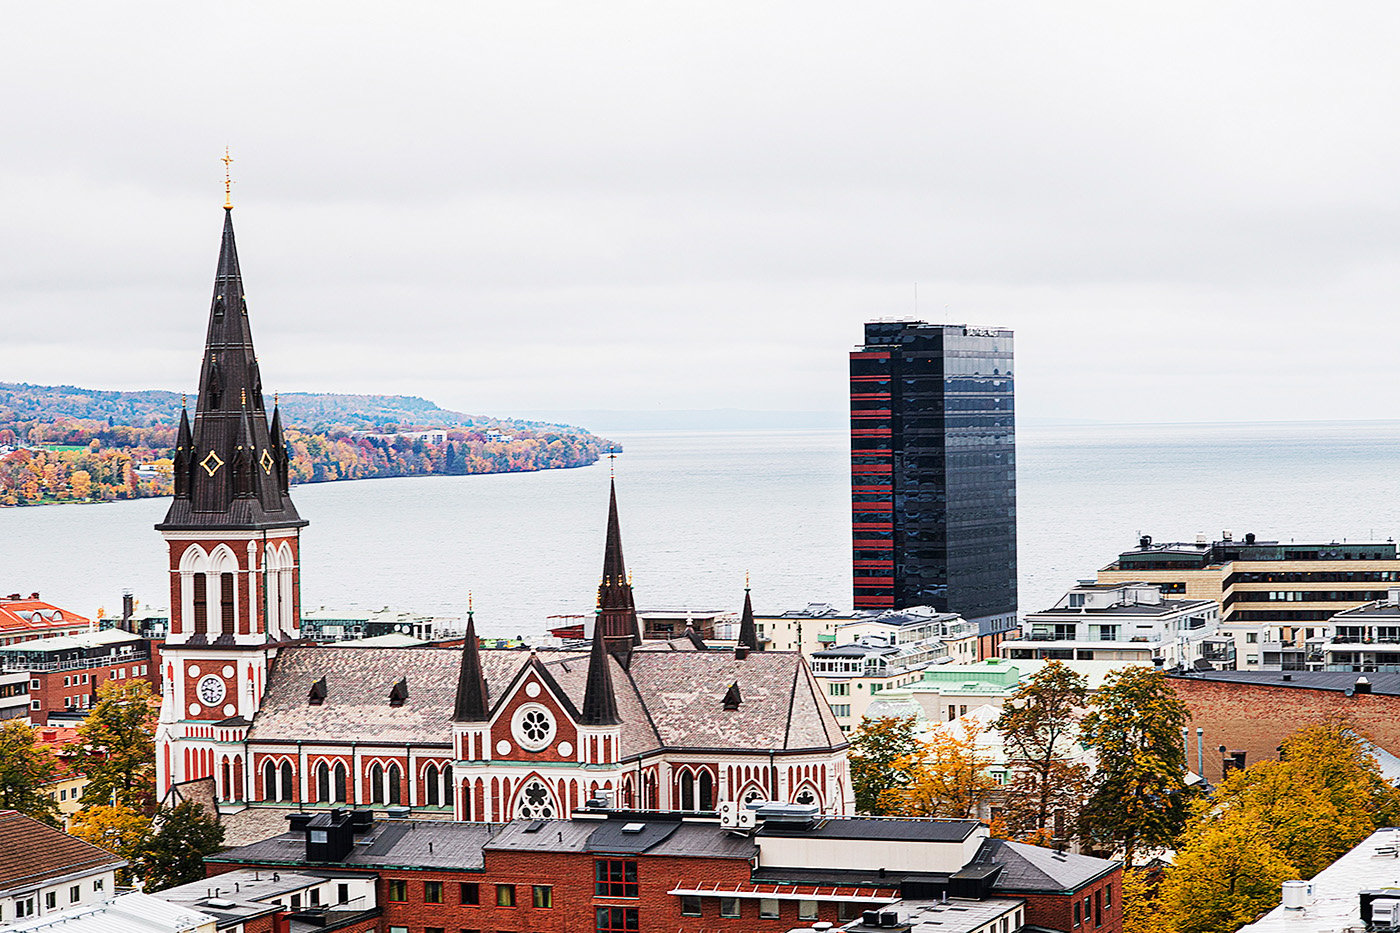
point(933, 469)
point(233, 536)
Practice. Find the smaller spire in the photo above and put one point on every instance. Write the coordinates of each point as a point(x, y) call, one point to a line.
point(184, 453)
point(599, 702)
point(748, 630)
point(732, 698)
point(471, 683)
point(280, 460)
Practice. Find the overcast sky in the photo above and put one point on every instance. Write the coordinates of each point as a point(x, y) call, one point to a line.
point(1187, 211)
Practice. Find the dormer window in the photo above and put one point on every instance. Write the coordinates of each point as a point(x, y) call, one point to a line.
point(399, 694)
point(317, 696)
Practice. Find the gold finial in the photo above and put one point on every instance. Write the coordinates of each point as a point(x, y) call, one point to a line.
point(469, 600)
point(277, 400)
point(228, 180)
point(612, 461)
point(184, 402)
point(746, 579)
point(243, 396)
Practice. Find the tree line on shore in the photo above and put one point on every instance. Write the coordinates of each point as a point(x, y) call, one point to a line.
point(1107, 770)
point(84, 460)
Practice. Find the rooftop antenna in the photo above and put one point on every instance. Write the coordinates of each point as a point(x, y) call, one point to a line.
point(228, 180)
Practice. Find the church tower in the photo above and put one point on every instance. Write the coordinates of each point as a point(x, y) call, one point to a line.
point(233, 539)
point(617, 613)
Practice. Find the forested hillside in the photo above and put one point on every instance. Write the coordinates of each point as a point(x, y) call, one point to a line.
point(67, 444)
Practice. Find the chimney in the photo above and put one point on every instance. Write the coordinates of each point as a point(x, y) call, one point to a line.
point(1362, 685)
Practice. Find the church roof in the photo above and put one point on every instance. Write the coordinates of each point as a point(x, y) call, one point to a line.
point(667, 699)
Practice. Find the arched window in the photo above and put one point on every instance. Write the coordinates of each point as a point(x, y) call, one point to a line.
point(269, 781)
point(376, 784)
point(339, 782)
point(430, 784)
point(394, 781)
point(535, 802)
point(447, 786)
point(466, 800)
point(201, 604)
point(287, 782)
point(707, 791)
point(227, 787)
point(226, 602)
point(237, 777)
point(687, 791)
point(323, 783)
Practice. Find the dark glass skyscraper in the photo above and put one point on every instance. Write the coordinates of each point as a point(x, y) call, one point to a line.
point(933, 469)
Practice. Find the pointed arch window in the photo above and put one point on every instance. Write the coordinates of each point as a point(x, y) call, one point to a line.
point(687, 791)
point(339, 783)
point(201, 603)
point(287, 783)
point(237, 777)
point(269, 781)
point(323, 783)
point(376, 784)
point(227, 786)
point(707, 791)
point(447, 785)
point(430, 784)
point(394, 785)
point(535, 801)
point(226, 603)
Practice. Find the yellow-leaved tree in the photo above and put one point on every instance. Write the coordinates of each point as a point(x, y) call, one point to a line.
point(947, 776)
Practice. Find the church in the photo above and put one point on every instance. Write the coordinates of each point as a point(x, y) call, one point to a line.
point(474, 734)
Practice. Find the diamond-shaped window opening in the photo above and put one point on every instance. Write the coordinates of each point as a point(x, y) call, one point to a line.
point(211, 463)
point(265, 461)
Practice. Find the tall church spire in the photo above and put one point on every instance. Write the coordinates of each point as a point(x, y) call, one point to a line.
point(471, 683)
point(599, 701)
point(229, 415)
point(748, 630)
point(617, 613)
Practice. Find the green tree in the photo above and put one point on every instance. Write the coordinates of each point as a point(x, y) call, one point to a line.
point(1039, 725)
point(26, 765)
point(1134, 727)
point(876, 747)
point(1224, 875)
point(174, 851)
point(116, 747)
point(120, 830)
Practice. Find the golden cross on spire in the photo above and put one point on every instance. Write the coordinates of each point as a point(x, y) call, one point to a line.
point(228, 180)
point(612, 461)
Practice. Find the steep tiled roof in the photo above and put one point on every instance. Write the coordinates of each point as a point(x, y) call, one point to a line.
point(31, 852)
point(667, 698)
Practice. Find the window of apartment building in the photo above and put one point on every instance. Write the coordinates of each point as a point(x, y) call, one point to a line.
point(432, 892)
point(1078, 917)
point(614, 878)
point(50, 900)
point(505, 895)
point(729, 907)
point(691, 905)
point(806, 910)
point(75, 894)
point(470, 894)
point(434, 930)
point(98, 884)
point(840, 690)
point(848, 910)
point(398, 889)
point(342, 893)
point(24, 908)
point(1108, 895)
point(542, 895)
point(1098, 908)
point(66, 682)
point(615, 920)
point(398, 929)
point(768, 908)
point(85, 678)
point(315, 897)
point(34, 704)
point(34, 684)
point(841, 709)
point(296, 902)
point(1251, 638)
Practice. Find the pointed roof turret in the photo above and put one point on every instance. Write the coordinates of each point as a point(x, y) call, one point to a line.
point(184, 447)
point(748, 630)
point(280, 461)
point(471, 682)
point(599, 701)
point(617, 613)
point(229, 414)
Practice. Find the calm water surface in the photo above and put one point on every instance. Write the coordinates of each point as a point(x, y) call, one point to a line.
point(700, 509)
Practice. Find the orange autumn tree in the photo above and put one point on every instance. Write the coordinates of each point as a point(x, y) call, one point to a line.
point(947, 776)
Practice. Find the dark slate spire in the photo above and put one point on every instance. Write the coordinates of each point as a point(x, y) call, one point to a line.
point(617, 613)
point(748, 630)
point(230, 406)
point(184, 462)
point(281, 462)
point(471, 683)
point(599, 703)
point(732, 698)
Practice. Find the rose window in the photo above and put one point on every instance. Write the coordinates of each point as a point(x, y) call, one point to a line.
point(534, 802)
point(533, 727)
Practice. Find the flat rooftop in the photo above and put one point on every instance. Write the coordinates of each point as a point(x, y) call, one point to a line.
point(1339, 681)
point(1375, 863)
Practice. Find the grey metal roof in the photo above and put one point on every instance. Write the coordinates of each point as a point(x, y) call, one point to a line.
point(394, 843)
point(1386, 684)
point(1027, 868)
point(543, 836)
point(868, 828)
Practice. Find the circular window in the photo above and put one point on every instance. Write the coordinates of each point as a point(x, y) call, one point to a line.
point(533, 727)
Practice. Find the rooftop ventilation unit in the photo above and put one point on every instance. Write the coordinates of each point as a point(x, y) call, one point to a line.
point(633, 828)
point(1297, 894)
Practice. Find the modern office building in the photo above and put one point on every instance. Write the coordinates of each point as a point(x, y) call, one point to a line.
point(933, 469)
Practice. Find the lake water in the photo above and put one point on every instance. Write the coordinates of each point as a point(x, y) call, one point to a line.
point(700, 509)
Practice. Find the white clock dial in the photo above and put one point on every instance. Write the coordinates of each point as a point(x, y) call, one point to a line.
point(211, 690)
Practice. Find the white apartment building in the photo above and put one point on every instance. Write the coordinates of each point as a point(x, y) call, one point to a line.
point(49, 871)
point(1127, 622)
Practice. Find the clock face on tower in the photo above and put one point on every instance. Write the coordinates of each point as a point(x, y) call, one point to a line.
point(211, 690)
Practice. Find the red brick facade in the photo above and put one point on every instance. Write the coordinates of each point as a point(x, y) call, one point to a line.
point(1258, 717)
point(56, 691)
point(1097, 908)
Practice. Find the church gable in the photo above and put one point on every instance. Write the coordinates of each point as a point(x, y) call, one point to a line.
point(534, 720)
